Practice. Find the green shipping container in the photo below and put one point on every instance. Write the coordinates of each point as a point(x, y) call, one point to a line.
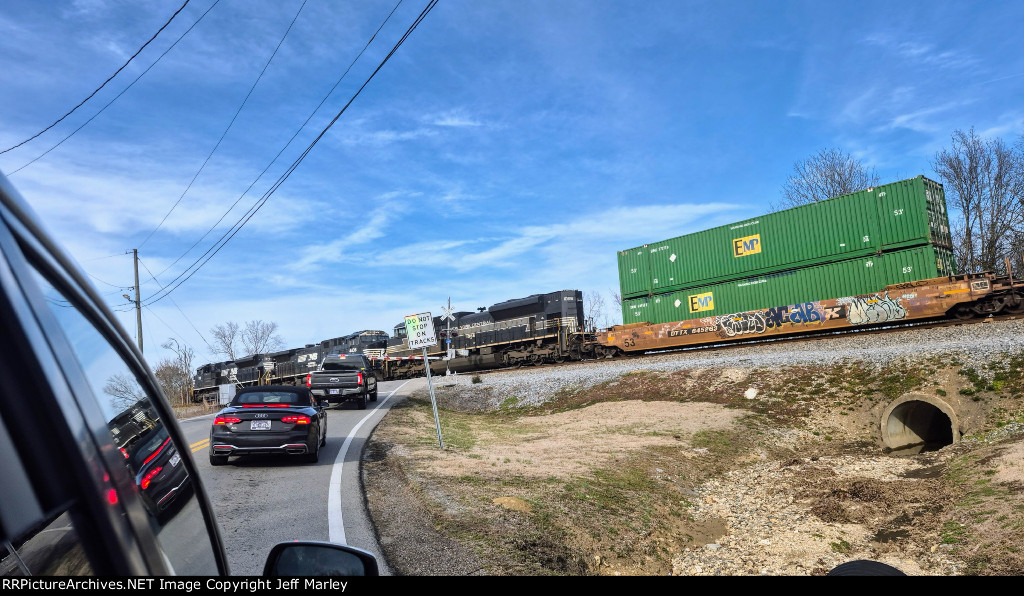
point(634, 274)
point(889, 217)
point(851, 277)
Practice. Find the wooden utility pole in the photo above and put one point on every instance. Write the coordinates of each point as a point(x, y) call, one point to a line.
point(138, 304)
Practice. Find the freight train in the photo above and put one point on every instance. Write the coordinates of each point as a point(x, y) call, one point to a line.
point(878, 256)
point(537, 329)
point(548, 328)
point(288, 367)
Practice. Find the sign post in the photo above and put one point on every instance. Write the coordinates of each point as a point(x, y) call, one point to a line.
point(419, 329)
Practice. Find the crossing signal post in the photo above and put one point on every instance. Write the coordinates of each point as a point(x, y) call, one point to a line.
point(448, 334)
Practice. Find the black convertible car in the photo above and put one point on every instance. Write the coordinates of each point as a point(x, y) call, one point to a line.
point(269, 419)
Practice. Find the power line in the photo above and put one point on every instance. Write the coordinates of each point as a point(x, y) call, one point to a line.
point(176, 306)
point(256, 207)
point(286, 145)
point(230, 124)
point(116, 97)
point(228, 235)
point(111, 78)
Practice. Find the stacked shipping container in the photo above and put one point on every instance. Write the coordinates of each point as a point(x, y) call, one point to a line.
point(844, 246)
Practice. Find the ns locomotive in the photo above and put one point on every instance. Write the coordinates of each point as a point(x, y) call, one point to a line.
point(286, 367)
point(537, 329)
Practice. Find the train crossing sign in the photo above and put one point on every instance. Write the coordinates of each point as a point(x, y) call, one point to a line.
point(420, 330)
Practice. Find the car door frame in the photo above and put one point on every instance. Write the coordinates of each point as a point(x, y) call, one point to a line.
point(117, 537)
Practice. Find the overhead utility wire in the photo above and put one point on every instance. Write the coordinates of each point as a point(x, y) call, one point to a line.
point(286, 145)
point(256, 207)
point(177, 307)
point(116, 97)
point(110, 78)
point(230, 124)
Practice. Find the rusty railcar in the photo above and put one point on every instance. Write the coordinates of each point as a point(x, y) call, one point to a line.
point(956, 296)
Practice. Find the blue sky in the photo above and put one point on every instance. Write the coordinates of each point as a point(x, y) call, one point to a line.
point(507, 148)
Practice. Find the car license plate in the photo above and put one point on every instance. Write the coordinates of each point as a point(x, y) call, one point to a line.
point(175, 459)
point(334, 391)
point(260, 425)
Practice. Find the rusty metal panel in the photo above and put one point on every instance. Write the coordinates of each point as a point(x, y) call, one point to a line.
point(922, 299)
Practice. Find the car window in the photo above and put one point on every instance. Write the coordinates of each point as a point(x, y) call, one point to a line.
point(343, 365)
point(34, 542)
point(269, 398)
point(51, 548)
point(151, 459)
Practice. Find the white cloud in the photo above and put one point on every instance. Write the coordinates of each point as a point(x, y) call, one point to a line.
point(454, 119)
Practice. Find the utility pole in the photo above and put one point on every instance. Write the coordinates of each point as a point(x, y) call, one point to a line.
point(138, 305)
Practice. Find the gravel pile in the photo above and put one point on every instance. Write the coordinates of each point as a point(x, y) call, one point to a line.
point(972, 343)
point(772, 533)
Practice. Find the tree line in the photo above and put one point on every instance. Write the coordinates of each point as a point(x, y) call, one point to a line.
point(230, 340)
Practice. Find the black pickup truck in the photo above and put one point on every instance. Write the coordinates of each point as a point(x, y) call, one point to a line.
point(344, 377)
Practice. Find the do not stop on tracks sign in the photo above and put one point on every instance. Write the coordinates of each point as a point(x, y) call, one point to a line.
point(420, 331)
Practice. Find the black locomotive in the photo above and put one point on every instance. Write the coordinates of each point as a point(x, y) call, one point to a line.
point(285, 367)
point(538, 329)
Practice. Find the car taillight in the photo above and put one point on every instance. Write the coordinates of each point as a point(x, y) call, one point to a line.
point(359, 378)
point(149, 477)
point(226, 420)
point(309, 380)
point(297, 419)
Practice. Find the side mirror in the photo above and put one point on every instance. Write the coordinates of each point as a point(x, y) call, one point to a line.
point(313, 558)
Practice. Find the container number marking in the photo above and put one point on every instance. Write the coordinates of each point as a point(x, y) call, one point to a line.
point(897, 212)
point(907, 269)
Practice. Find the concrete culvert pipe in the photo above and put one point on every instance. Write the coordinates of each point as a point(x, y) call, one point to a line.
point(918, 419)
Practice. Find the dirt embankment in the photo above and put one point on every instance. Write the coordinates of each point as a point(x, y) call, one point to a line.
point(716, 471)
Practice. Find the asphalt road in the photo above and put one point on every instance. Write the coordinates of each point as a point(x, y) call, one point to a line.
point(260, 501)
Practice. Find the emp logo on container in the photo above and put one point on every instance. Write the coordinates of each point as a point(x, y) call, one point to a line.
point(748, 245)
point(702, 302)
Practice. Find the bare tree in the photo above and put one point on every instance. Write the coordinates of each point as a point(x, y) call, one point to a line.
point(260, 337)
point(125, 390)
point(175, 383)
point(593, 311)
point(225, 339)
point(179, 373)
point(617, 299)
point(984, 184)
point(825, 175)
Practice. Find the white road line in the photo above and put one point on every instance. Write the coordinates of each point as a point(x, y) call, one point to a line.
point(335, 523)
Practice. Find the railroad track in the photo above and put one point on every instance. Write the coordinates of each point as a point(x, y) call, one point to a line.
point(791, 339)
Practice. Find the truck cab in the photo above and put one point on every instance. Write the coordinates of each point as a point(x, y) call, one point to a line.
point(344, 377)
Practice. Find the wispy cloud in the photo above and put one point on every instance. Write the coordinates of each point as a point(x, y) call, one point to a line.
point(455, 119)
point(922, 52)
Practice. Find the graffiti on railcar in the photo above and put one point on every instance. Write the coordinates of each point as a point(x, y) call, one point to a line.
point(879, 308)
point(742, 323)
point(775, 318)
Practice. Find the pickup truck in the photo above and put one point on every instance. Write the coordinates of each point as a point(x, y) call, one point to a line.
point(344, 377)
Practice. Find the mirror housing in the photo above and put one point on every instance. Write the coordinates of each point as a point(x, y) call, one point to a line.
point(316, 558)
